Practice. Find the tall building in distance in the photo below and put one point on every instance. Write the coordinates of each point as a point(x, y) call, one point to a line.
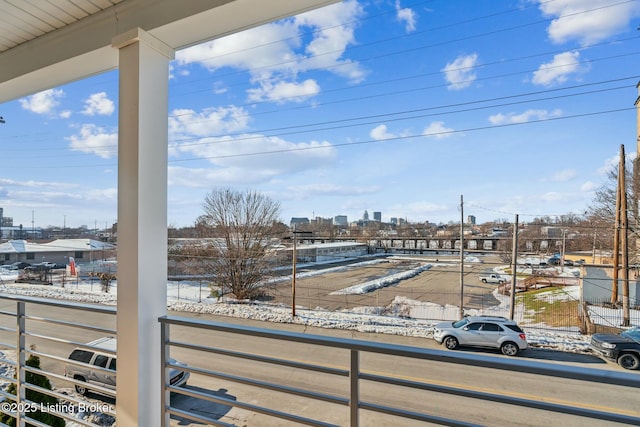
point(377, 216)
point(365, 216)
point(299, 221)
point(341, 220)
point(471, 219)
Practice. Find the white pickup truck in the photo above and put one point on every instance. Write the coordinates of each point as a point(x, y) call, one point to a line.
point(492, 278)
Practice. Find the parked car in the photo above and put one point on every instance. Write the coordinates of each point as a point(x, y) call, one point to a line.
point(492, 278)
point(622, 348)
point(97, 364)
point(482, 331)
point(21, 265)
point(41, 266)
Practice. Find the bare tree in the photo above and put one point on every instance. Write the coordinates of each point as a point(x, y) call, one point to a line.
point(242, 224)
point(602, 211)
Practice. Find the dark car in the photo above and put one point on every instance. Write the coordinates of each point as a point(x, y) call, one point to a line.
point(622, 348)
point(41, 266)
point(21, 265)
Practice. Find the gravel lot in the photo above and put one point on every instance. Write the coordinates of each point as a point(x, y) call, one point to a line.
point(440, 284)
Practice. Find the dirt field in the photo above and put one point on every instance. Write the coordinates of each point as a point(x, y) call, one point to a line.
point(440, 284)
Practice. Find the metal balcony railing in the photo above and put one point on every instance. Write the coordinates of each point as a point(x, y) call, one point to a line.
point(241, 375)
point(360, 376)
point(25, 332)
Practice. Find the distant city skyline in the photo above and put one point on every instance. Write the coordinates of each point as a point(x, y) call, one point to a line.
point(521, 107)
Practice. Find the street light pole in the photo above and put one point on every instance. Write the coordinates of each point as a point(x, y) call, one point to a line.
point(461, 314)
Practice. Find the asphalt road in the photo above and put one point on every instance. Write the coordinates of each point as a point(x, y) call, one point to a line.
point(561, 391)
point(595, 396)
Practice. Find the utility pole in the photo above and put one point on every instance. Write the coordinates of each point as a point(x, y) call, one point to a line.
point(616, 231)
point(514, 267)
point(461, 257)
point(621, 242)
point(635, 199)
point(624, 241)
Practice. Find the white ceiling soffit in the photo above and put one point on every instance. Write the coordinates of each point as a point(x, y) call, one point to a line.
point(82, 48)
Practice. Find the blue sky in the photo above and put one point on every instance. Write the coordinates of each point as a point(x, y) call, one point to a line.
point(395, 106)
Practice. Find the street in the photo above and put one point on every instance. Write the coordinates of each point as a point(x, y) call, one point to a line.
point(525, 386)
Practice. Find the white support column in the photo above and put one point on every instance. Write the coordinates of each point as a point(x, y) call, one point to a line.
point(142, 224)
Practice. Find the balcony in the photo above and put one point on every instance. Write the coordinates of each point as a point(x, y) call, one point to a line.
point(244, 375)
point(239, 375)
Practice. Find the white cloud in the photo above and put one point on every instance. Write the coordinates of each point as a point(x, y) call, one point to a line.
point(460, 73)
point(407, 16)
point(231, 158)
point(92, 139)
point(187, 123)
point(564, 175)
point(330, 40)
point(277, 51)
point(380, 133)
point(43, 102)
point(209, 177)
point(609, 164)
point(217, 136)
point(553, 196)
point(559, 69)
point(319, 189)
point(284, 91)
point(101, 194)
point(525, 117)
point(588, 21)
point(98, 103)
point(420, 209)
point(613, 163)
point(258, 50)
point(35, 184)
point(255, 152)
point(588, 186)
point(437, 130)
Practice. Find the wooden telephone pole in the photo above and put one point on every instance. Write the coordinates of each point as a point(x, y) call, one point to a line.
point(621, 243)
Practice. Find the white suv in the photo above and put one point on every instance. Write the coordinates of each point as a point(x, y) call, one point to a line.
point(482, 331)
point(98, 366)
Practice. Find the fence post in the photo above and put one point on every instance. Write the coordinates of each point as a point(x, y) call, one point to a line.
point(20, 362)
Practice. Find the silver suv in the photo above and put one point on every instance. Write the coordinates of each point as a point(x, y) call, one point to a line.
point(482, 331)
point(97, 366)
